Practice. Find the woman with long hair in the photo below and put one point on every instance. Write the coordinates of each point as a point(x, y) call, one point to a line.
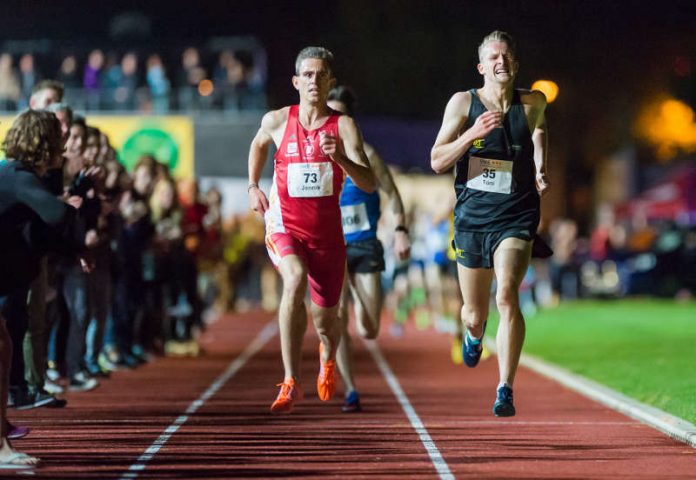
point(33, 221)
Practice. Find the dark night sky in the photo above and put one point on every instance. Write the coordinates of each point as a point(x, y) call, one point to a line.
point(427, 49)
point(406, 58)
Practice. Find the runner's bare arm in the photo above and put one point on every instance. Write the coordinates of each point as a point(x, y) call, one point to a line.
point(540, 141)
point(258, 153)
point(350, 154)
point(449, 144)
point(402, 242)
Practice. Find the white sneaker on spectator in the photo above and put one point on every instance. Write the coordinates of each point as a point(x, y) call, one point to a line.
point(53, 387)
point(81, 382)
point(52, 374)
point(106, 364)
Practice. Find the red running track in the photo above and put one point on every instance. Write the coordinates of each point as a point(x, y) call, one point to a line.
point(136, 425)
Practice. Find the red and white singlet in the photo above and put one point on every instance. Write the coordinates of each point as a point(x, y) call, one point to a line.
point(304, 198)
point(304, 217)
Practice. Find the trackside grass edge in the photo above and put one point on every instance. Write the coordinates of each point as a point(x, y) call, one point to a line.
point(643, 348)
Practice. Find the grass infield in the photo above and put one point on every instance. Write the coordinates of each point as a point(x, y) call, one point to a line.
point(645, 349)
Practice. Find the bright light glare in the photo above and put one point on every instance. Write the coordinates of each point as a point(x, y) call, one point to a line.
point(668, 125)
point(548, 88)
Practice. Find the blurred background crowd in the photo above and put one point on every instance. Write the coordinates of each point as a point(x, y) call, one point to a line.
point(144, 81)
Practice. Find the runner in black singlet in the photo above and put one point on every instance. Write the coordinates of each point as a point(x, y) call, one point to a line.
point(495, 137)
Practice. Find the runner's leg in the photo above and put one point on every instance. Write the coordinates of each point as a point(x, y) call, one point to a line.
point(366, 289)
point(511, 260)
point(344, 355)
point(475, 284)
point(292, 314)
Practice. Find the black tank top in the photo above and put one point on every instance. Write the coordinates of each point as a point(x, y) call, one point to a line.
point(512, 201)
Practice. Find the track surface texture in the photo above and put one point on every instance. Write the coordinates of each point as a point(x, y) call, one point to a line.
point(181, 418)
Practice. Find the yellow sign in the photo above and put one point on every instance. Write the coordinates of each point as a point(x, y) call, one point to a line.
point(170, 139)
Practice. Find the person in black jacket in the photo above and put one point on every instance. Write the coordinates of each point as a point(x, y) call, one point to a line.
point(32, 222)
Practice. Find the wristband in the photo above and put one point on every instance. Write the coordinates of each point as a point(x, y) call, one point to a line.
point(252, 185)
point(401, 228)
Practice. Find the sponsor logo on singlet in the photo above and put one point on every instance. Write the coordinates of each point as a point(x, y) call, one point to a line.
point(478, 143)
point(291, 151)
point(309, 149)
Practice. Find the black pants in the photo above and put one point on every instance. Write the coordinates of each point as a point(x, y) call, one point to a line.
point(14, 310)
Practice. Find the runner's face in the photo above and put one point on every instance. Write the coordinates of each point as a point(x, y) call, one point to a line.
point(498, 64)
point(313, 81)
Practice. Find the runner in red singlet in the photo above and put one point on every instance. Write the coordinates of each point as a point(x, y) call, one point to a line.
point(316, 148)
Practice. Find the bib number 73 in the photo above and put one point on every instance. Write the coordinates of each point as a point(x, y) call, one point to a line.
point(306, 180)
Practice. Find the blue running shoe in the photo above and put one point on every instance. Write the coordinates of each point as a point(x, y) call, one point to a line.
point(471, 351)
point(352, 403)
point(503, 406)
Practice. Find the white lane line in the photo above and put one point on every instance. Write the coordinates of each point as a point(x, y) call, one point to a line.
point(466, 423)
point(268, 332)
point(435, 456)
point(675, 427)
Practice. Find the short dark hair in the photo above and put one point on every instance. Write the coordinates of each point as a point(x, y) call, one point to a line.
point(52, 84)
point(346, 96)
point(320, 53)
point(34, 139)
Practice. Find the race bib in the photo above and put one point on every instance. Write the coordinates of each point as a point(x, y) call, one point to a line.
point(310, 179)
point(490, 175)
point(355, 218)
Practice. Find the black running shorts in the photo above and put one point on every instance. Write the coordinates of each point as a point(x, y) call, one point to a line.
point(366, 256)
point(476, 249)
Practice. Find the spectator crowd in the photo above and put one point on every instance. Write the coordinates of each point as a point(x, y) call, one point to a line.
point(229, 80)
point(102, 267)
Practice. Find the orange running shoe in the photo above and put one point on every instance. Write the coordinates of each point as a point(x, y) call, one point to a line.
point(326, 380)
point(289, 393)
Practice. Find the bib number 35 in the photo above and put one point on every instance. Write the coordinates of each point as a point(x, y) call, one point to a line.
point(489, 175)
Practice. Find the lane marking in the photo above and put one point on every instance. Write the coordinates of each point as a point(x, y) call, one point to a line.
point(435, 456)
point(674, 427)
point(268, 332)
point(466, 423)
